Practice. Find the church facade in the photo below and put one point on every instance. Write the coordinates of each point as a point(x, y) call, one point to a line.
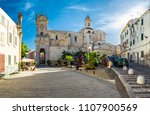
point(50, 43)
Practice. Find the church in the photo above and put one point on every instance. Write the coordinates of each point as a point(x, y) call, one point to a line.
point(51, 43)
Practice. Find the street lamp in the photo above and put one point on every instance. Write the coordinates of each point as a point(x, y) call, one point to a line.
point(89, 49)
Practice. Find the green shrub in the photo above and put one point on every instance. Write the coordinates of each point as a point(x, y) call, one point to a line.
point(48, 62)
point(69, 58)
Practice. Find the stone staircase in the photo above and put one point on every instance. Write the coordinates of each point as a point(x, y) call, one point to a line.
point(141, 91)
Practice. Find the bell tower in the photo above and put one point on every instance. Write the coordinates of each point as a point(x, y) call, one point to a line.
point(41, 24)
point(42, 39)
point(87, 22)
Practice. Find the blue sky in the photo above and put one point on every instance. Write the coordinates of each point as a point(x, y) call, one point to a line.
point(107, 15)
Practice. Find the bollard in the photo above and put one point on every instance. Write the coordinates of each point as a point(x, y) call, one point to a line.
point(125, 68)
point(94, 72)
point(140, 80)
point(110, 64)
point(130, 71)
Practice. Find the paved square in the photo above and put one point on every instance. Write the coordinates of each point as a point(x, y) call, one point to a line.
point(56, 84)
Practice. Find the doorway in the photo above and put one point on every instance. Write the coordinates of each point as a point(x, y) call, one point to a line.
point(2, 62)
point(42, 56)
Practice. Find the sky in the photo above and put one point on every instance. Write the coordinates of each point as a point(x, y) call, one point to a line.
point(109, 16)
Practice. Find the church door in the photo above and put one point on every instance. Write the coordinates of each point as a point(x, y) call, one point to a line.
point(42, 56)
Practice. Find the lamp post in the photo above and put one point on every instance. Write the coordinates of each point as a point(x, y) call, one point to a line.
point(89, 49)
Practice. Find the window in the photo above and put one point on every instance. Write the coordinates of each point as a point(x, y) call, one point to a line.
point(10, 38)
point(133, 29)
point(69, 35)
point(127, 41)
point(127, 32)
point(9, 59)
point(75, 39)
point(142, 21)
point(142, 54)
point(90, 36)
point(133, 41)
point(15, 62)
point(88, 24)
point(89, 32)
point(142, 36)
point(3, 20)
point(41, 34)
point(0, 18)
point(56, 37)
point(2, 36)
point(15, 41)
point(130, 43)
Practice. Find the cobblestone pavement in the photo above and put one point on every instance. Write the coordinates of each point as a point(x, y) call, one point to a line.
point(138, 90)
point(55, 83)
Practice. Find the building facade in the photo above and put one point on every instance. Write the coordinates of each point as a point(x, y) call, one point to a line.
point(10, 39)
point(109, 49)
point(135, 39)
point(31, 54)
point(50, 43)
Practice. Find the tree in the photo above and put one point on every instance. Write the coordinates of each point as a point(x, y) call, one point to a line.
point(24, 50)
point(92, 59)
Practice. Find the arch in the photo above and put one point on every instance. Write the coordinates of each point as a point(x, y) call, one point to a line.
point(75, 38)
point(61, 42)
point(56, 37)
point(42, 56)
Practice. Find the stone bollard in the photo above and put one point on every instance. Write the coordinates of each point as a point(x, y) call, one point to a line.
point(140, 80)
point(94, 72)
point(125, 68)
point(110, 64)
point(130, 71)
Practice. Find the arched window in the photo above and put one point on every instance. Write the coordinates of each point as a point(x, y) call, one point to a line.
point(56, 37)
point(41, 34)
point(75, 39)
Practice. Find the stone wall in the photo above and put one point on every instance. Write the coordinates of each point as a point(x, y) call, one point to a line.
point(56, 52)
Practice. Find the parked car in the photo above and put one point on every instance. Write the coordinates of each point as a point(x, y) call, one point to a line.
point(122, 62)
point(113, 60)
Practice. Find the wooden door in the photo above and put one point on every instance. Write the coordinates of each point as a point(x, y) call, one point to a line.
point(2, 62)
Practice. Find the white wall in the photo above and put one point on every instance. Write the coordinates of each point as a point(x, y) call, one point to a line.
point(10, 48)
point(140, 45)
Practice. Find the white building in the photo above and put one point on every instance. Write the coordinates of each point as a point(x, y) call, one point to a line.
point(10, 34)
point(109, 49)
point(135, 39)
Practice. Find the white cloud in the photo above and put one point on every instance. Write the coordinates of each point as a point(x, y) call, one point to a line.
point(116, 21)
point(28, 6)
point(31, 17)
point(113, 23)
point(82, 8)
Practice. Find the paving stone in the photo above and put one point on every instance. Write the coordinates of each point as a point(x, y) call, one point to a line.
point(55, 83)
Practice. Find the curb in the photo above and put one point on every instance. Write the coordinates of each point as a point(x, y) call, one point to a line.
point(107, 82)
point(125, 84)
